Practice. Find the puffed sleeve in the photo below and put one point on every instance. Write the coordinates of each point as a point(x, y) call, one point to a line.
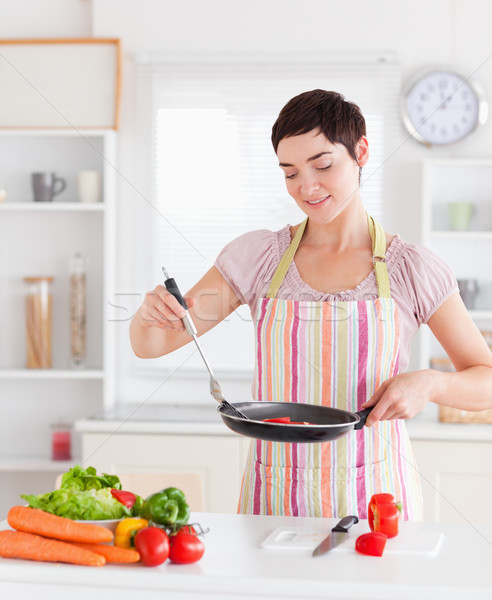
point(246, 263)
point(426, 280)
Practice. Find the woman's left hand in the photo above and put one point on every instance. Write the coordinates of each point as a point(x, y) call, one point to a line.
point(402, 396)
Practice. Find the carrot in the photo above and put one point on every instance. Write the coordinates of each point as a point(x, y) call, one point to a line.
point(112, 554)
point(35, 520)
point(18, 544)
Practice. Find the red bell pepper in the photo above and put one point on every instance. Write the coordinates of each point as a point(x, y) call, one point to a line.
point(286, 421)
point(126, 498)
point(371, 544)
point(384, 514)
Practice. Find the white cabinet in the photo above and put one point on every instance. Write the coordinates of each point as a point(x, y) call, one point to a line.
point(456, 480)
point(468, 251)
point(39, 238)
point(207, 468)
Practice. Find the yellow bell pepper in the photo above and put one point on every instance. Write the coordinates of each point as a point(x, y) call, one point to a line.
point(126, 530)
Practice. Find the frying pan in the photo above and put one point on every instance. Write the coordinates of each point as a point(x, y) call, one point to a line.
point(328, 423)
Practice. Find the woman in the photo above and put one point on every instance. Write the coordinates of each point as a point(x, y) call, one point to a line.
point(336, 302)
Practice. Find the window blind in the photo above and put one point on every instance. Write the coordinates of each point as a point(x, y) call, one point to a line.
point(212, 173)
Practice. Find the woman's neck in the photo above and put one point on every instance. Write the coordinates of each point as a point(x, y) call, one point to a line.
point(347, 230)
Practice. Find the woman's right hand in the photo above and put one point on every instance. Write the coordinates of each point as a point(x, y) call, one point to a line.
point(157, 329)
point(161, 309)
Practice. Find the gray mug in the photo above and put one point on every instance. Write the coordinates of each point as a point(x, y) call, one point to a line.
point(46, 186)
point(468, 292)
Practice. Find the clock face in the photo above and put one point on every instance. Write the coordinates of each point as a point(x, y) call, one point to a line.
point(441, 107)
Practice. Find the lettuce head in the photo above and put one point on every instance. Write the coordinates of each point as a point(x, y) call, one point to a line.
point(84, 496)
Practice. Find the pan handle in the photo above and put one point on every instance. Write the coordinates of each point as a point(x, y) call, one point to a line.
point(363, 414)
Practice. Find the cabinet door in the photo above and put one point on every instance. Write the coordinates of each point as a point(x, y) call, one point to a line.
point(207, 468)
point(456, 480)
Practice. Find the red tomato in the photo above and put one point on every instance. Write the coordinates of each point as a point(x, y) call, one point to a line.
point(186, 547)
point(384, 514)
point(153, 545)
point(126, 498)
point(371, 544)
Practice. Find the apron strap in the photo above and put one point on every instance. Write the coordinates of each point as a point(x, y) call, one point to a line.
point(378, 258)
point(284, 264)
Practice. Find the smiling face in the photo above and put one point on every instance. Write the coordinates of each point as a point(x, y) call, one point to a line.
point(321, 176)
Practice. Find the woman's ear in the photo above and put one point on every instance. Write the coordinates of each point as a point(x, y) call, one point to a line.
point(362, 151)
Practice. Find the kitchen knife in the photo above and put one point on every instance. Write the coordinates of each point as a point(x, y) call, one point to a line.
point(338, 534)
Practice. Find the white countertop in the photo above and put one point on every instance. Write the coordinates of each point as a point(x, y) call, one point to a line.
point(204, 420)
point(235, 565)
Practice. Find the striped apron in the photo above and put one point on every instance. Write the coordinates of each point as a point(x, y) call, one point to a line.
point(336, 354)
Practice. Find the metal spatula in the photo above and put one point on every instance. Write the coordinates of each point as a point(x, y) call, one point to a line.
point(215, 390)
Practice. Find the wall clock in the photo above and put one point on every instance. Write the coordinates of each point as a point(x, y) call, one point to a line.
point(441, 107)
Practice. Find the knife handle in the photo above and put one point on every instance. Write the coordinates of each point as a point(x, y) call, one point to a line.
point(346, 523)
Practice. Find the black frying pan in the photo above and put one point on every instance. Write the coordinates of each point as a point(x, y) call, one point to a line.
point(328, 423)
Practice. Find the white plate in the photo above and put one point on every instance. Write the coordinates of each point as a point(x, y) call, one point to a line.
point(107, 523)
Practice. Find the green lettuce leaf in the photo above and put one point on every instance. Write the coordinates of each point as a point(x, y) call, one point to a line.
point(85, 505)
point(84, 495)
point(79, 479)
point(136, 508)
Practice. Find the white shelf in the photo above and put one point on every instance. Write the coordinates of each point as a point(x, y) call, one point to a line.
point(51, 374)
point(51, 207)
point(49, 132)
point(467, 252)
point(54, 231)
point(480, 314)
point(460, 235)
point(27, 464)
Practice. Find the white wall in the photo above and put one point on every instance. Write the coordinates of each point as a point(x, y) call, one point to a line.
point(422, 33)
point(454, 33)
point(45, 18)
point(440, 32)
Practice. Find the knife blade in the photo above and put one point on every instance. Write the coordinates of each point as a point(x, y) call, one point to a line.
point(337, 535)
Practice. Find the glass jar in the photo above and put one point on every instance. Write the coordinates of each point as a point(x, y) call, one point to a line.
point(61, 441)
point(39, 302)
point(77, 311)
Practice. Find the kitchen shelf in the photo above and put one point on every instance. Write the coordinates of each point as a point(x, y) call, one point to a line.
point(40, 238)
point(34, 463)
point(467, 252)
point(51, 207)
point(457, 236)
point(51, 374)
point(49, 132)
point(480, 315)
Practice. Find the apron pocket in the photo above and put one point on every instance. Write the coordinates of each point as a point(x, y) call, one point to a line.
point(312, 492)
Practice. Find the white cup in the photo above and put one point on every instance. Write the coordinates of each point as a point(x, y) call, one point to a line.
point(89, 186)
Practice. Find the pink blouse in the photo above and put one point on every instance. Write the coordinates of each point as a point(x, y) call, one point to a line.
point(419, 280)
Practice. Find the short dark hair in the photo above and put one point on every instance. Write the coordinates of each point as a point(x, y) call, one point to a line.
point(340, 120)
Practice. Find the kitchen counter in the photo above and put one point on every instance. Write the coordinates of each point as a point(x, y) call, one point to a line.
point(204, 420)
point(235, 565)
point(155, 419)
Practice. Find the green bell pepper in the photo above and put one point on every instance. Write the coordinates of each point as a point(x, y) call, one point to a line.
point(167, 507)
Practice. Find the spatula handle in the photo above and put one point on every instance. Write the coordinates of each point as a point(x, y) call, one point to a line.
point(172, 288)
